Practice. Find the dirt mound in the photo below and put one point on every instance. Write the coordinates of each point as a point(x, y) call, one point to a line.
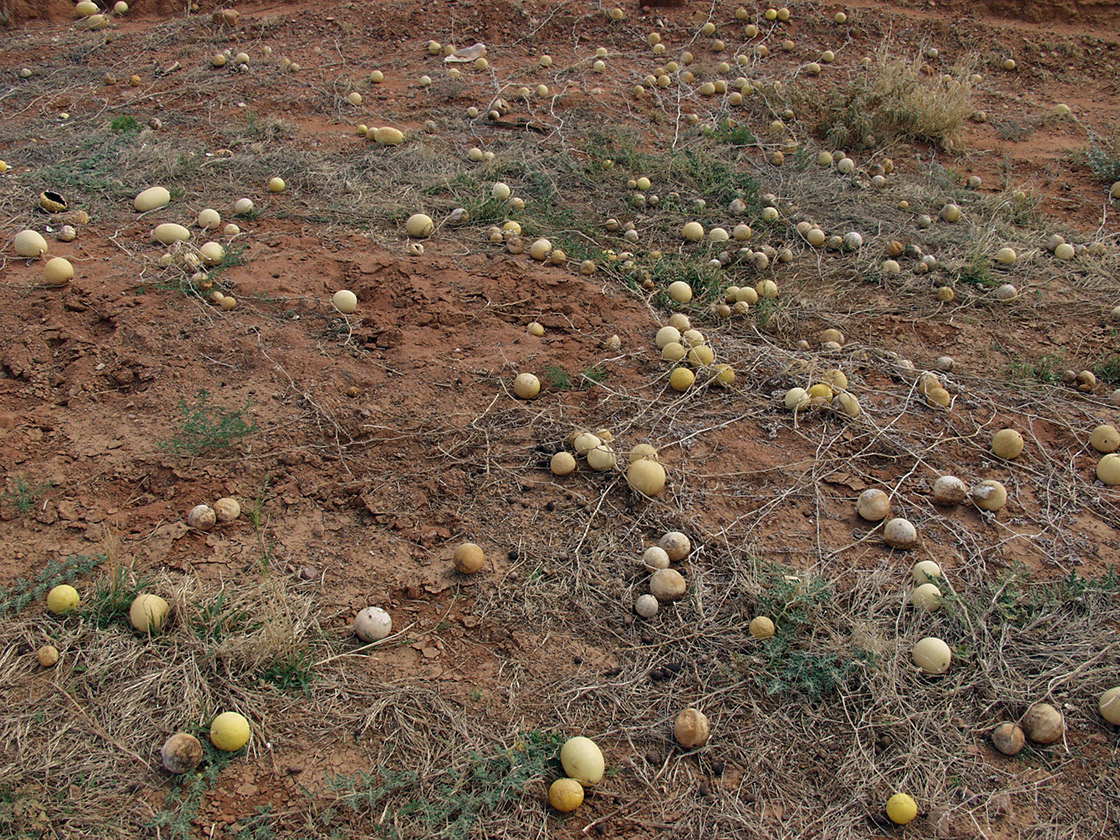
point(1058, 11)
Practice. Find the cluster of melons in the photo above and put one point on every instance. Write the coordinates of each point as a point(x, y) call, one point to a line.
point(687, 348)
point(584, 765)
point(1062, 250)
point(595, 448)
point(665, 584)
point(935, 393)
point(205, 517)
point(829, 392)
point(1106, 440)
point(898, 250)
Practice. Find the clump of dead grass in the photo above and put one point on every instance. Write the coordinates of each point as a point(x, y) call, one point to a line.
point(895, 99)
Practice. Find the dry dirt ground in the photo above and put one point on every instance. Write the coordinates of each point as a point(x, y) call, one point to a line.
point(363, 449)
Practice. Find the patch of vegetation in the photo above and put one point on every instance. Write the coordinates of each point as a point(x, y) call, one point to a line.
point(894, 100)
point(1015, 598)
point(734, 134)
point(291, 673)
point(207, 428)
point(707, 283)
point(1048, 369)
point(124, 124)
point(217, 620)
point(1103, 157)
point(977, 273)
point(561, 380)
point(22, 592)
point(175, 820)
point(22, 495)
point(790, 601)
point(1108, 370)
point(455, 803)
point(112, 598)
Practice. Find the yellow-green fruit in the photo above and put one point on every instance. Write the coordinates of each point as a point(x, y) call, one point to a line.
point(212, 253)
point(932, 655)
point(990, 495)
point(901, 808)
point(62, 599)
point(387, 136)
point(229, 731)
point(419, 225)
point(565, 795)
point(681, 379)
point(170, 232)
point(148, 612)
point(680, 291)
point(276, 185)
point(345, 301)
point(582, 760)
point(693, 231)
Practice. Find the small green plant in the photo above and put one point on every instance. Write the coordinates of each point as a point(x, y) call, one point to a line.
point(22, 592)
point(291, 673)
point(790, 601)
point(1103, 157)
point(1048, 369)
point(1108, 370)
point(124, 124)
point(217, 619)
point(557, 377)
point(735, 135)
point(457, 801)
point(977, 273)
point(112, 597)
point(207, 428)
point(22, 495)
point(764, 312)
point(594, 376)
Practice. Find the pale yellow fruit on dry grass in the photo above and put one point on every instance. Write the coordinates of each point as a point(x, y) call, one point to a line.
point(276, 185)
point(901, 808)
point(148, 612)
point(562, 463)
point(212, 253)
point(388, 136)
point(691, 729)
point(1105, 439)
point(229, 731)
point(1108, 469)
point(761, 627)
point(1007, 444)
point(582, 760)
point(62, 599)
point(419, 225)
point(873, 504)
point(693, 231)
point(990, 495)
point(932, 655)
point(924, 571)
point(681, 379)
point(927, 597)
point(667, 585)
point(169, 232)
point(47, 656)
